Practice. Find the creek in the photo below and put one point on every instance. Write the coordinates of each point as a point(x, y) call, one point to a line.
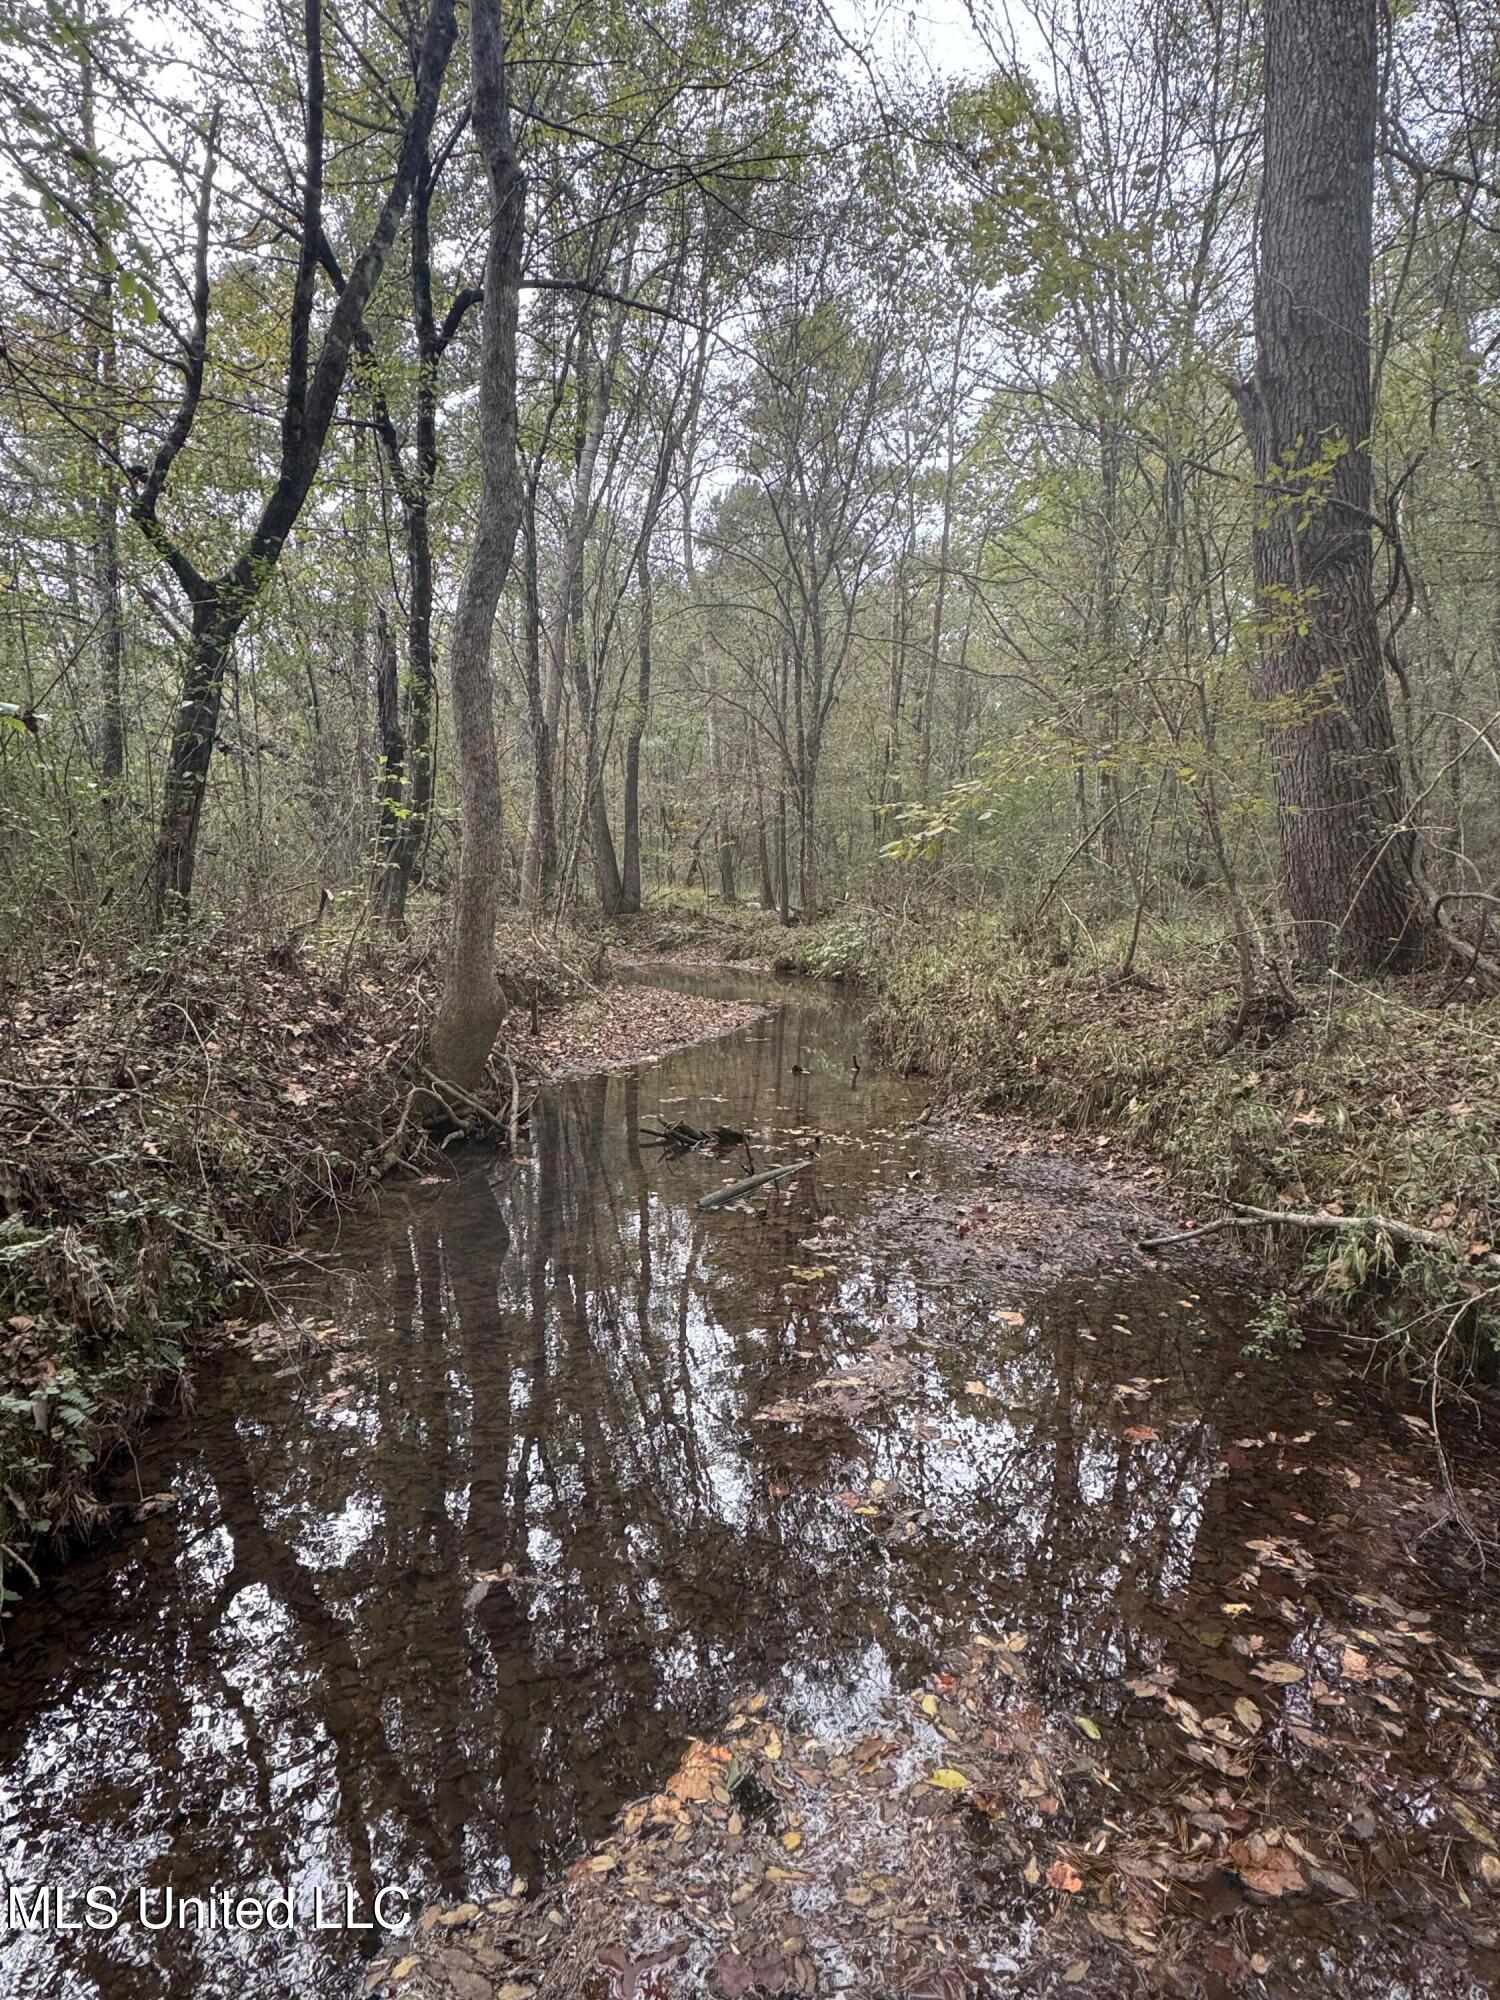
point(427, 1606)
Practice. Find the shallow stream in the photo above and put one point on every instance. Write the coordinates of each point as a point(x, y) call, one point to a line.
point(425, 1609)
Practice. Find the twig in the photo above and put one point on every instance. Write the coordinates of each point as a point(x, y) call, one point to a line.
point(389, 1157)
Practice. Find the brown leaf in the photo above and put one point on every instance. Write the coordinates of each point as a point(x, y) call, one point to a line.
point(1268, 1870)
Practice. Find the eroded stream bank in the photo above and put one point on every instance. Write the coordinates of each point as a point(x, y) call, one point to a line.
point(915, 1468)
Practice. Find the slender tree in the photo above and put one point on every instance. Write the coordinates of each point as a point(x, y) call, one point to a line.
point(472, 1006)
point(220, 604)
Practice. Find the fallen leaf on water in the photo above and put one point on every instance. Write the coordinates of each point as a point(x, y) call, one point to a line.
point(1281, 1673)
point(791, 1841)
point(1471, 1823)
point(1063, 1875)
point(1141, 1433)
point(1249, 1715)
point(1089, 1728)
point(947, 1779)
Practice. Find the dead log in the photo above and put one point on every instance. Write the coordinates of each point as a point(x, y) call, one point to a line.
point(748, 1186)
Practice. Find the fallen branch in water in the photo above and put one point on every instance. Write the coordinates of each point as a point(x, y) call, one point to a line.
point(760, 1180)
point(677, 1132)
point(445, 1092)
point(1294, 1218)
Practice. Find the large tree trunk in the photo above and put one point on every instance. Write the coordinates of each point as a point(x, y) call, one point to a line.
point(472, 1007)
point(1346, 848)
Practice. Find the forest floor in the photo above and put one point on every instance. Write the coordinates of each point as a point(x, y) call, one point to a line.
point(620, 1025)
point(166, 1121)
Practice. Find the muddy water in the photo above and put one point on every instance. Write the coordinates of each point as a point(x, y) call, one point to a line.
point(426, 1608)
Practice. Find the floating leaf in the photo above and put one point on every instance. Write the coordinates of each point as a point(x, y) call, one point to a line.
point(947, 1779)
point(1089, 1728)
point(1281, 1673)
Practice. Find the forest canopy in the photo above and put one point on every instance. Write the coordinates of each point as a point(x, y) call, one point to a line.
point(919, 495)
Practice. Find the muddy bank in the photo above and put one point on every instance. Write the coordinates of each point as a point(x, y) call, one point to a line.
point(1376, 1100)
point(1032, 1633)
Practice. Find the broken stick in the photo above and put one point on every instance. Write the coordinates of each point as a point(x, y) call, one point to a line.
point(760, 1180)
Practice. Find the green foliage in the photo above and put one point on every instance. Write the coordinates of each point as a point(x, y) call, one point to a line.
point(1274, 1330)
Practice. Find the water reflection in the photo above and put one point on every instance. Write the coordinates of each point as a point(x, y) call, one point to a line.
point(427, 1617)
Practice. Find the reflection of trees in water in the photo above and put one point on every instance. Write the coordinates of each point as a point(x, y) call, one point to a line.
point(566, 1361)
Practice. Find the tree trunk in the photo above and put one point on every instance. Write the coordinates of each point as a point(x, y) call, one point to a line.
point(1346, 850)
point(387, 890)
point(103, 370)
point(191, 753)
point(404, 833)
point(472, 1007)
point(630, 901)
point(220, 605)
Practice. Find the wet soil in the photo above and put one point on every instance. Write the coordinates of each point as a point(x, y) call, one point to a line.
point(625, 1024)
point(894, 1584)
